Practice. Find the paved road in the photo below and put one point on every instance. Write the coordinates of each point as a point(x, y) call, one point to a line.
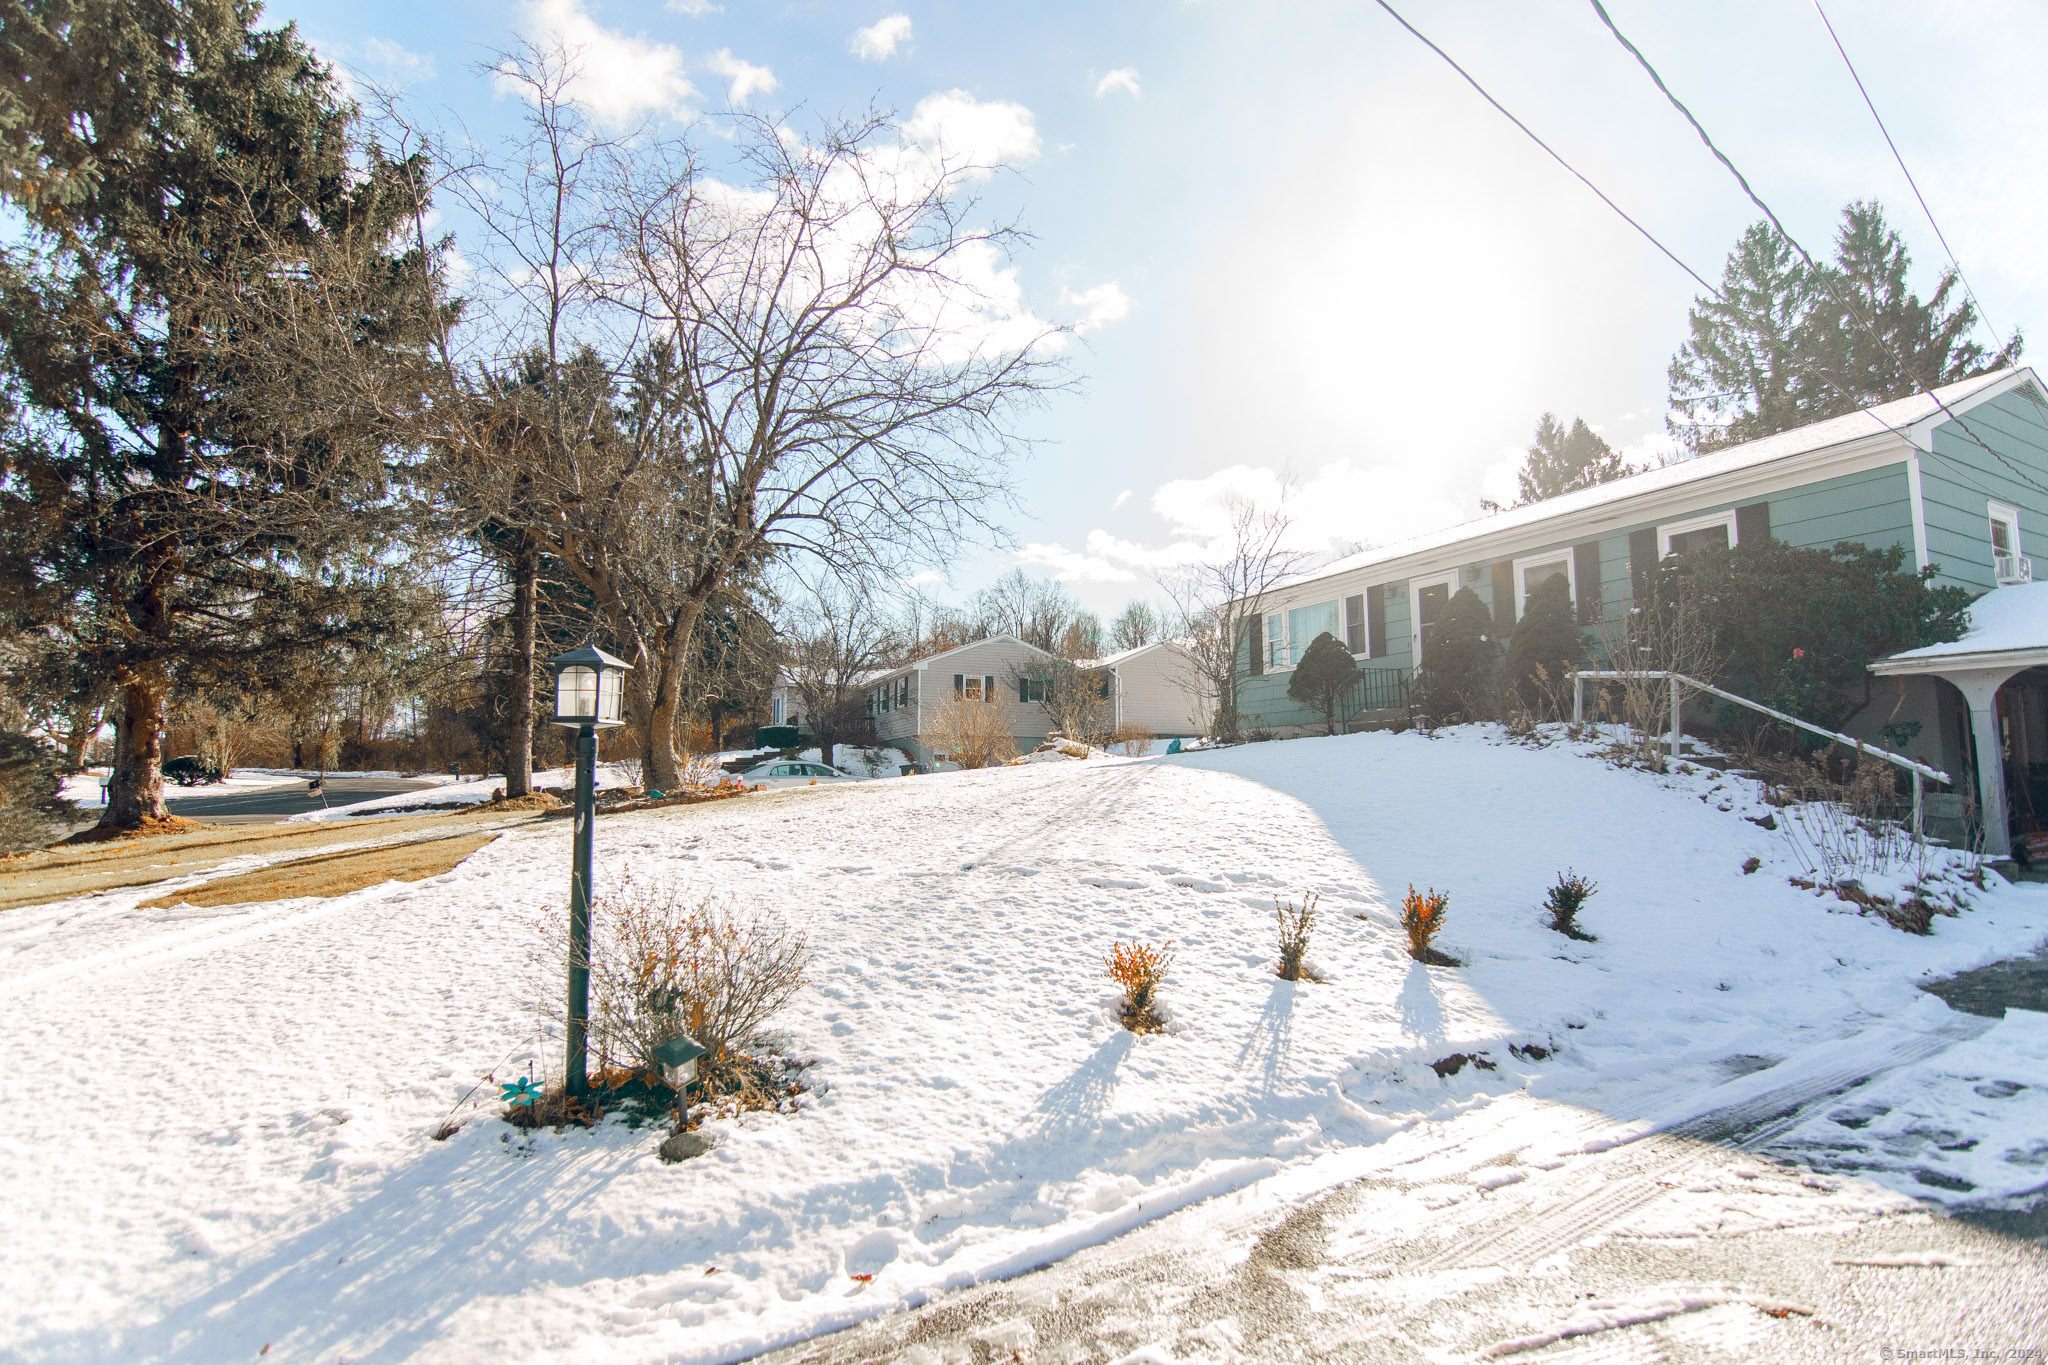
point(1689, 1245)
point(271, 804)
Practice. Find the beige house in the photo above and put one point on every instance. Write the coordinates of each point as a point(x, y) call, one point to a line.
point(1155, 687)
point(1000, 671)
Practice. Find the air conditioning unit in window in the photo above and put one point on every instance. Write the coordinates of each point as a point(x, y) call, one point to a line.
point(2010, 569)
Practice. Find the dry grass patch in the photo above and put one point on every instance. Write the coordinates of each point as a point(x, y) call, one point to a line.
point(333, 874)
point(67, 870)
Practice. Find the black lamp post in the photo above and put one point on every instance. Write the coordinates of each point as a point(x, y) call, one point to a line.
point(588, 683)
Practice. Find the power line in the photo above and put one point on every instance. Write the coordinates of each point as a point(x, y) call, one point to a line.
point(1651, 237)
point(1450, 61)
point(1939, 236)
point(1821, 274)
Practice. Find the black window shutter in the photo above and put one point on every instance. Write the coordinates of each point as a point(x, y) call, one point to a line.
point(1642, 557)
point(1023, 689)
point(1504, 595)
point(988, 687)
point(959, 684)
point(1586, 573)
point(1255, 636)
point(1354, 624)
point(1753, 523)
point(1376, 620)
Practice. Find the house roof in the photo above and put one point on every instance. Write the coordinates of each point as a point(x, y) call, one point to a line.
point(1112, 660)
point(1883, 419)
point(931, 659)
point(2007, 627)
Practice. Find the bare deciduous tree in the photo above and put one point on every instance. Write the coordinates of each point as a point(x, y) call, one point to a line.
point(834, 636)
point(1221, 602)
point(798, 363)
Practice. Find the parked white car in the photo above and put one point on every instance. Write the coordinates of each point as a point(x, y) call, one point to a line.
point(789, 772)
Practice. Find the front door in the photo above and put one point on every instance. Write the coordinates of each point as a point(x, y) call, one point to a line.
point(1427, 600)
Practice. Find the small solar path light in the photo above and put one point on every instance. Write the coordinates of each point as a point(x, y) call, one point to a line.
point(678, 1057)
point(588, 684)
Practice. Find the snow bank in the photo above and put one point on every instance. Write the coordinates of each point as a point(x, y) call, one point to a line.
point(239, 1154)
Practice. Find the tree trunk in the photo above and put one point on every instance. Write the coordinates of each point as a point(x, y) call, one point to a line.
point(135, 795)
point(519, 740)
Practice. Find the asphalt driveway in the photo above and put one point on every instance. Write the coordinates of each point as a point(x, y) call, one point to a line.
point(271, 804)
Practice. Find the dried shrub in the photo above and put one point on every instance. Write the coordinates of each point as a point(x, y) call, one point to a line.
point(665, 961)
point(1295, 927)
point(1137, 969)
point(1131, 739)
point(1422, 916)
point(973, 732)
point(1564, 902)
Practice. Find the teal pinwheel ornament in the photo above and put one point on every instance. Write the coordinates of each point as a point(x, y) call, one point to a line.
point(524, 1091)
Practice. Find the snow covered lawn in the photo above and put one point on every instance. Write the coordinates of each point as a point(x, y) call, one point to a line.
point(221, 1131)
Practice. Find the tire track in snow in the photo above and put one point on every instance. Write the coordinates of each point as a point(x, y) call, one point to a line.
point(1674, 1154)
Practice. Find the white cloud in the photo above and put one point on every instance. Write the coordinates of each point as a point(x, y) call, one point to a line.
point(1100, 305)
point(1334, 510)
point(1121, 499)
point(694, 9)
point(967, 132)
point(397, 61)
point(1124, 78)
point(618, 78)
point(878, 41)
point(747, 79)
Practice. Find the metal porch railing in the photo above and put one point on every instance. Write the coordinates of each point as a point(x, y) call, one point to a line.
point(1676, 681)
point(1377, 689)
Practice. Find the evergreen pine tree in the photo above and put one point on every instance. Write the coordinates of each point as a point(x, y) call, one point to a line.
point(1917, 346)
point(1460, 670)
point(1786, 345)
point(1564, 460)
point(195, 325)
point(1546, 646)
point(1733, 379)
point(1325, 673)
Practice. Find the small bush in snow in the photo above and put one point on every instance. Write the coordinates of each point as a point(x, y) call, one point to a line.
point(666, 962)
point(1137, 969)
point(1422, 915)
point(1295, 927)
point(1564, 901)
point(1131, 739)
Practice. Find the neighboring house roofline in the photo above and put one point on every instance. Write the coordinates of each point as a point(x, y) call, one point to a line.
point(1866, 439)
point(919, 665)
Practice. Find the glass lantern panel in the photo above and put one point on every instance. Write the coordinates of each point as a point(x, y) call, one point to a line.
point(576, 693)
point(608, 689)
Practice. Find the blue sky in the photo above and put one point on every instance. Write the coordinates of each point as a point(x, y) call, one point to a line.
point(1307, 249)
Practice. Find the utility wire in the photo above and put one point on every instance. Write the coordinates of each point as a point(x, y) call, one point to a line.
point(1954, 261)
point(1939, 236)
point(1963, 473)
point(1819, 273)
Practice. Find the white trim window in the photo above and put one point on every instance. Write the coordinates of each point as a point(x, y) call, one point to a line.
point(1531, 572)
point(1416, 587)
point(1276, 640)
point(2008, 563)
point(1696, 533)
point(1305, 623)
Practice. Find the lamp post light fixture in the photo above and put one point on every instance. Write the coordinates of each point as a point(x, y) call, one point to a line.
point(588, 684)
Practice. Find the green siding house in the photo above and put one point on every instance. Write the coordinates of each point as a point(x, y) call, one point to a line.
point(1956, 477)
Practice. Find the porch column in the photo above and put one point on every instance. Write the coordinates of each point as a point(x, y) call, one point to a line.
point(1979, 687)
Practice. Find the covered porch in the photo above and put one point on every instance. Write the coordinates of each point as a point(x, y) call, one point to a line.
point(2000, 668)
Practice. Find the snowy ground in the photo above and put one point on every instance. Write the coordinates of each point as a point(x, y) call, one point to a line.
point(228, 1145)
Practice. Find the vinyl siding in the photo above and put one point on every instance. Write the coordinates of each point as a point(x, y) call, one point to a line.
point(1153, 690)
point(1959, 481)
